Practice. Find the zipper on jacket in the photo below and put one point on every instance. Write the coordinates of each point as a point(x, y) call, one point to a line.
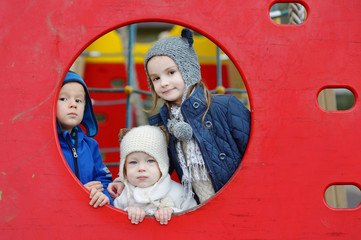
point(75, 154)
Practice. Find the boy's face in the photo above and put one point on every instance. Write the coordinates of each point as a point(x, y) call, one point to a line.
point(166, 79)
point(70, 106)
point(142, 170)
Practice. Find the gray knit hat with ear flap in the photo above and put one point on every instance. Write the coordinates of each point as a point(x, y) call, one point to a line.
point(181, 50)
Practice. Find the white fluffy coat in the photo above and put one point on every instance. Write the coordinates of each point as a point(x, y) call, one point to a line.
point(165, 193)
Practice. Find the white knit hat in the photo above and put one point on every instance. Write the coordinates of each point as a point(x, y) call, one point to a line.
point(148, 139)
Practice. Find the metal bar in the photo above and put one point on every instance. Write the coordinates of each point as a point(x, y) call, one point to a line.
point(231, 90)
point(278, 13)
point(132, 31)
point(113, 164)
point(142, 92)
point(114, 90)
point(106, 90)
point(219, 67)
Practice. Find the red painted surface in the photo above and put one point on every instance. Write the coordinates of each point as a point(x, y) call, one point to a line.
point(295, 151)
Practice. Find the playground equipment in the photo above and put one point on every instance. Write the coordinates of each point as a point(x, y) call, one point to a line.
point(106, 72)
point(296, 149)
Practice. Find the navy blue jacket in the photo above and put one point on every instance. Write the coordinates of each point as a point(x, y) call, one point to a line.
point(223, 138)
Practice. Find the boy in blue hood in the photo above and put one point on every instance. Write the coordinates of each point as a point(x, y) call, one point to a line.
point(81, 151)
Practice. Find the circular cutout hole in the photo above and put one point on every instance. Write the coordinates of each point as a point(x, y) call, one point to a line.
point(217, 70)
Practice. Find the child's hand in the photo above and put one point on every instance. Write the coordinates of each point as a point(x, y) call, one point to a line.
point(163, 215)
point(136, 214)
point(94, 184)
point(98, 199)
point(115, 189)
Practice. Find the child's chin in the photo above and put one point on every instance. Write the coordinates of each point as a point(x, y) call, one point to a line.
point(143, 185)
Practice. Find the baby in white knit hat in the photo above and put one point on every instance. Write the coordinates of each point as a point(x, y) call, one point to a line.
point(148, 188)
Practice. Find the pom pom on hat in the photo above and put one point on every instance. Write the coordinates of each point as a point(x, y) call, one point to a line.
point(180, 129)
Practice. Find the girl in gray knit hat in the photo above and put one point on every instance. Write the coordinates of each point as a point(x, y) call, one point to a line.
point(208, 134)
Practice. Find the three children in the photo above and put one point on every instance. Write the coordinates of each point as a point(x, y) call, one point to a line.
point(208, 136)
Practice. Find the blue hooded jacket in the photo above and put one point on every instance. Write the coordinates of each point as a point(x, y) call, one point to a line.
point(87, 163)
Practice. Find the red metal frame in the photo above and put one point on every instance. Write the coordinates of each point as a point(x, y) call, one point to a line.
point(296, 149)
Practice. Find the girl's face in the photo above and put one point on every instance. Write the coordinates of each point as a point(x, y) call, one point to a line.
point(142, 170)
point(166, 79)
point(70, 106)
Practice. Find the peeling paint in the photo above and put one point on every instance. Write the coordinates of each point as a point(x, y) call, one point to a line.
point(0, 194)
point(33, 176)
point(52, 28)
point(83, 30)
point(10, 218)
point(3, 173)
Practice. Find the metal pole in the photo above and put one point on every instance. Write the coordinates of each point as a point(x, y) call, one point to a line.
point(132, 33)
point(219, 67)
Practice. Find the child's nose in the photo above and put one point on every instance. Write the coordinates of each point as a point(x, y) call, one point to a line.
point(72, 103)
point(141, 167)
point(164, 82)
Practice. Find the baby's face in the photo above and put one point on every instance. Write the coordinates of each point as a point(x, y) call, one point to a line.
point(142, 170)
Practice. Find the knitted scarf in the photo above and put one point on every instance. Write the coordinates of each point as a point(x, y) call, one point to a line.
point(192, 163)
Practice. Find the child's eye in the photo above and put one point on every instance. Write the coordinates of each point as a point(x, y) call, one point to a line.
point(78, 100)
point(171, 72)
point(151, 161)
point(132, 162)
point(62, 99)
point(155, 79)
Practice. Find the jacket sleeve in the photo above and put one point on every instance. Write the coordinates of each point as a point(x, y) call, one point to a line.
point(121, 201)
point(239, 118)
point(102, 173)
